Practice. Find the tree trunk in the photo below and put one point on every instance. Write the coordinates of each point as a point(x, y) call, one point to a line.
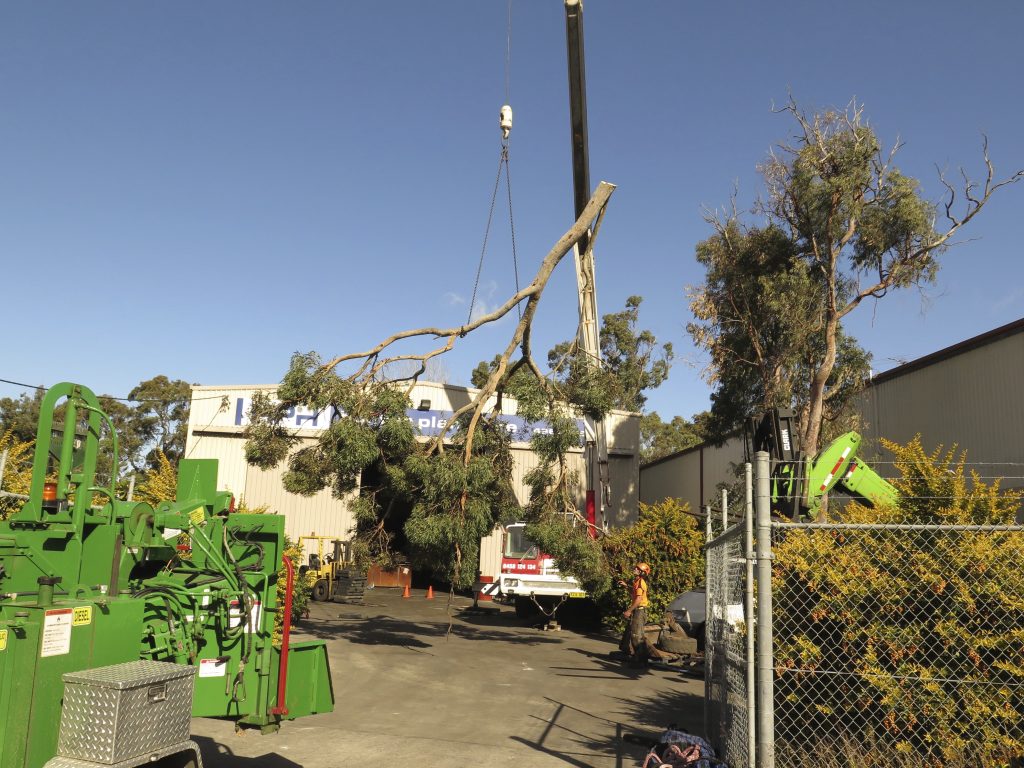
point(816, 398)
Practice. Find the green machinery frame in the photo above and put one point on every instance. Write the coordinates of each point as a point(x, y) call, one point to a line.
point(87, 579)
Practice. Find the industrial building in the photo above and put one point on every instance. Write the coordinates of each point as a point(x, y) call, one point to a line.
point(965, 395)
point(219, 414)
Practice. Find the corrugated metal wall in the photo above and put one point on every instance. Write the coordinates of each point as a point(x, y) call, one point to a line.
point(320, 514)
point(971, 400)
point(967, 395)
point(215, 432)
point(692, 476)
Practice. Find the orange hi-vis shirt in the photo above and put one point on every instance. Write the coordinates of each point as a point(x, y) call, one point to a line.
point(640, 590)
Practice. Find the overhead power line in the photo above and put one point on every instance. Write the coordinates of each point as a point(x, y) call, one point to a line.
point(112, 397)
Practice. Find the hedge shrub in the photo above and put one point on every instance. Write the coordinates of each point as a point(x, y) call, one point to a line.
point(908, 638)
point(666, 537)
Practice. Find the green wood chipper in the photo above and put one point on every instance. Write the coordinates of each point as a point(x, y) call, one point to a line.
point(90, 581)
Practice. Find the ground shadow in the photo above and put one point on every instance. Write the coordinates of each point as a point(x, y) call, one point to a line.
point(389, 630)
point(626, 751)
point(633, 739)
point(652, 716)
point(216, 754)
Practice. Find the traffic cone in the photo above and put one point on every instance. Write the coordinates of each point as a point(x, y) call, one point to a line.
point(430, 593)
point(405, 592)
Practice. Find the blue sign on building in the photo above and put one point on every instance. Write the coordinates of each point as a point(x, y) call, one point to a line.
point(426, 423)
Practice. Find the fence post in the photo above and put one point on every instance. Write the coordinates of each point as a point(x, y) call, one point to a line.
point(707, 619)
point(748, 612)
point(725, 596)
point(765, 663)
point(725, 510)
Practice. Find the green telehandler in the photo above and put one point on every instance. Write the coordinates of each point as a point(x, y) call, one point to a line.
point(798, 483)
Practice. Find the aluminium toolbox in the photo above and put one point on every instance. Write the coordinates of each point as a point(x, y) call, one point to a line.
point(114, 713)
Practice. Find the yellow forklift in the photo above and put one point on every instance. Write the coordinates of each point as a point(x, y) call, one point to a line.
point(335, 575)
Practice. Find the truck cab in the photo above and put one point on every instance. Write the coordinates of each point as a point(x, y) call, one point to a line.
point(529, 578)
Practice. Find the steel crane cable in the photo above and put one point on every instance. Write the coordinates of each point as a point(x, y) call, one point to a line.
point(487, 231)
point(503, 163)
point(512, 228)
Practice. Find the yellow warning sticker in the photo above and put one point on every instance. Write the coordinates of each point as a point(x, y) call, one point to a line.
point(82, 616)
point(3, 639)
point(197, 515)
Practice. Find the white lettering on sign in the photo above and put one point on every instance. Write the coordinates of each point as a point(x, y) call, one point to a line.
point(516, 567)
point(56, 633)
point(427, 423)
point(296, 417)
point(213, 667)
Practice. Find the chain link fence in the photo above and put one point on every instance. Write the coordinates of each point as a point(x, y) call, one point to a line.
point(873, 644)
point(899, 639)
point(728, 648)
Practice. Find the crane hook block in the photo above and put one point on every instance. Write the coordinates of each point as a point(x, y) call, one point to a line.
point(505, 121)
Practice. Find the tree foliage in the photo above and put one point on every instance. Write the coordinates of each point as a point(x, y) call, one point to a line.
point(19, 416)
point(17, 471)
point(660, 438)
point(919, 631)
point(448, 490)
point(632, 361)
point(159, 483)
point(160, 415)
point(841, 225)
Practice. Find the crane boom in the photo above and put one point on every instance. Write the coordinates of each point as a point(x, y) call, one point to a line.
point(589, 338)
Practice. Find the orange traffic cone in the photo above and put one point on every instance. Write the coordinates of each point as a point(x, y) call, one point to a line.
point(430, 593)
point(405, 592)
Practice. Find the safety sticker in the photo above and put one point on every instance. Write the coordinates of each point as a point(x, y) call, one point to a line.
point(82, 615)
point(213, 667)
point(3, 639)
point(197, 516)
point(56, 633)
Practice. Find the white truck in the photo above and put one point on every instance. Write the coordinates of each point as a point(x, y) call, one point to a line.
point(529, 579)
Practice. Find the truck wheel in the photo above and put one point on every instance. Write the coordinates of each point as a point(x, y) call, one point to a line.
point(319, 590)
point(525, 607)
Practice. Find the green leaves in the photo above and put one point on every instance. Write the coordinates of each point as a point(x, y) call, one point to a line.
point(667, 538)
point(921, 627)
point(659, 439)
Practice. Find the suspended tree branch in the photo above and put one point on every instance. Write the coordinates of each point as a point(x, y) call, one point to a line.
point(374, 363)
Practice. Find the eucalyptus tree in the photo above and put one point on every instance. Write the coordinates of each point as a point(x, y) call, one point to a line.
point(457, 483)
point(840, 224)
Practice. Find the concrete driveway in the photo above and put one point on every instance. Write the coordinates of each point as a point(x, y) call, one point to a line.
point(435, 683)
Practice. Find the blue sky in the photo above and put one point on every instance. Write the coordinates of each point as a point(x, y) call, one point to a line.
point(201, 189)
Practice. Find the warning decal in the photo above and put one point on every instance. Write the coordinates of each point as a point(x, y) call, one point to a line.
point(82, 616)
point(213, 667)
point(56, 633)
point(3, 639)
